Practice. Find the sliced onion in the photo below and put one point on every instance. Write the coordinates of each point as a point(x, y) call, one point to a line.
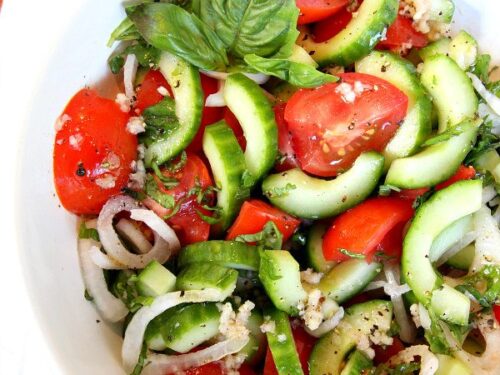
point(132, 234)
point(216, 99)
point(160, 364)
point(103, 261)
point(487, 240)
point(111, 308)
point(491, 99)
point(134, 335)
point(129, 73)
point(489, 193)
point(328, 324)
point(111, 242)
point(375, 285)
point(428, 361)
point(258, 78)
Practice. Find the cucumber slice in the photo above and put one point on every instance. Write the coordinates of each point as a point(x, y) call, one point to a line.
point(439, 47)
point(442, 209)
point(489, 162)
point(155, 280)
point(463, 49)
point(184, 79)
point(451, 90)
point(451, 305)
point(232, 254)
point(284, 91)
point(228, 165)
point(184, 327)
point(450, 236)
point(356, 364)
point(360, 320)
point(300, 55)
point(463, 259)
point(359, 37)
point(199, 276)
point(441, 10)
point(435, 163)
point(254, 113)
point(314, 248)
point(451, 366)
point(256, 347)
point(348, 278)
point(280, 275)
point(282, 345)
point(417, 124)
point(314, 198)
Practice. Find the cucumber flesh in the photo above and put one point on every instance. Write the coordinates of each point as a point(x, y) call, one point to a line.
point(451, 366)
point(449, 236)
point(284, 91)
point(360, 320)
point(155, 280)
point(228, 165)
point(435, 163)
point(417, 124)
point(348, 278)
point(254, 113)
point(451, 305)
point(442, 209)
point(439, 47)
point(451, 90)
point(280, 275)
point(200, 276)
point(489, 162)
point(184, 79)
point(255, 349)
point(356, 364)
point(463, 49)
point(463, 259)
point(231, 254)
point(314, 249)
point(359, 37)
point(314, 198)
point(442, 10)
point(300, 55)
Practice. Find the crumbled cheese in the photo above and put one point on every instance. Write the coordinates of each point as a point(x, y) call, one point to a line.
point(106, 182)
point(137, 179)
point(232, 363)
point(281, 337)
point(346, 92)
point(111, 162)
point(415, 316)
point(268, 325)
point(141, 150)
point(75, 141)
point(162, 91)
point(420, 11)
point(404, 48)
point(360, 87)
point(61, 120)
point(363, 345)
point(232, 324)
point(380, 337)
point(311, 311)
point(123, 101)
point(136, 125)
point(311, 277)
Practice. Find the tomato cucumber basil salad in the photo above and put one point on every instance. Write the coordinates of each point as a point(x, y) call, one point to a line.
point(291, 187)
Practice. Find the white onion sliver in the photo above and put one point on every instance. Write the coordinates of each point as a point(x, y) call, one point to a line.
point(258, 78)
point(489, 193)
point(328, 324)
point(157, 225)
point(491, 99)
point(111, 308)
point(160, 364)
point(428, 361)
point(131, 233)
point(103, 261)
point(134, 335)
point(129, 73)
point(375, 285)
point(216, 99)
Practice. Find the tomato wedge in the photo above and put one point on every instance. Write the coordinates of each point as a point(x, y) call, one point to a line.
point(333, 124)
point(92, 152)
point(217, 368)
point(304, 344)
point(362, 229)
point(287, 154)
point(233, 123)
point(315, 10)
point(384, 353)
point(187, 223)
point(496, 311)
point(254, 214)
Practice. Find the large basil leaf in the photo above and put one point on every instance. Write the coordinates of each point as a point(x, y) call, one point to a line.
point(161, 121)
point(171, 28)
point(297, 74)
point(261, 27)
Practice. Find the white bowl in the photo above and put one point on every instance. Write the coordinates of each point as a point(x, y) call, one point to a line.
point(47, 236)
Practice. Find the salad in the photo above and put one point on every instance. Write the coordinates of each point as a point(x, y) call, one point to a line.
point(290, 187)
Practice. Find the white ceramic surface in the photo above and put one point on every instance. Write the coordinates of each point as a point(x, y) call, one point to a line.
point(69, 40)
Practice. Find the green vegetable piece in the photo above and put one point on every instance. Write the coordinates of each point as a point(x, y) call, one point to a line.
point(314, 248)
point(356, 363)
point(200, 276)
point(155, 280)
point(451, 366)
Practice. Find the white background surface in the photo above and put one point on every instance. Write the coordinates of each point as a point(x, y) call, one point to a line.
point(29, 33)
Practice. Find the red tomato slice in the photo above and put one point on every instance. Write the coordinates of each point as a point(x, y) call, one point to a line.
point(186, 223)
point(147, 92)
point(288, 159)
point(331, 126)
point(384, 353)
point(254, 214)
point(331, 26)
point(304, 344)
point(92, 153)
point(362, 229)
point(315, 10)
point(402, 35)
point(233, 123)
point(216, 368)
point(496, 311)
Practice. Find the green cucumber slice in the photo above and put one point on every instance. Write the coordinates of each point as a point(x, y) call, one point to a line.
point(356, 364)
point(282, 345)
point(254, 113)
point(451, 90)
point(155, 280)
point(228, 165)
point(300, 55)
point(417, 124)
point(463, 259)
point(489, 162)
point(441, 10)
point(314, 198)
point(435, 163)
point(360, 320)
point(184, 327)
point(449, 236)
point(451, 366)
point(231, 254)
point(442, 209)
point(359, 37)
point(438, 47)
point(314, 249)
point(283, 91)
point(450, 305)
point(348, 278)
point(463, 49)
point(184, 79)
point(280, 275)
point(255, 349)
point(199, 276)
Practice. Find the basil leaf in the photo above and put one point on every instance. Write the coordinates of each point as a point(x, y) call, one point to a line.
point(154, 192)
point(486, 141)
point(146, 57)
point(297, 74)
point(262, 27)
point(278, 192)
point(161, 121)
point(126, 30)
point(269, 237)
point(481, 67)
point(350, 254)
point(171, 28)
point(88, 233)
point(446, 135)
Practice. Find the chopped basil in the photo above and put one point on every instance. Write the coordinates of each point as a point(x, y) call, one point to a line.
point(153, 191)
point(161, 121)
point(279, 192)
point(486, 141)
point(385, 190)
point(351, 254)
point(168, 182)
point(269, 237)
point(87, 233)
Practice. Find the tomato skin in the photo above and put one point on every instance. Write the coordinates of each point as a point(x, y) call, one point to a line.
point(316, 10)
point(383, 354)
point(254, 214)
point(362, 229)
point(187, 224)
point(329, 132)
point(304, 344)
point(235, 126)
point(402, 33)
point(285, 147)
point(496, 311)
point(147, 92)
point(331, 26)
point(216, 368)
point(95, 142)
